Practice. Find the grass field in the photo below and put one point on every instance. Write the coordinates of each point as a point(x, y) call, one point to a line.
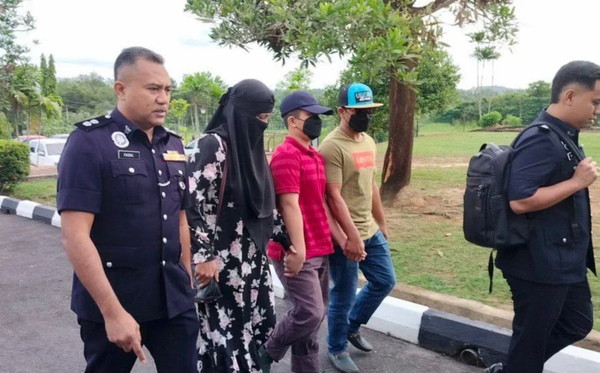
point(42, 191)
point(427, 243)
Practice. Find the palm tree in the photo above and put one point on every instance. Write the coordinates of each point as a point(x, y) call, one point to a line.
point(18, 103)
point(40, 106)
point(483, 55)
point(488, 54)
point(204, 89)
point(478, 38)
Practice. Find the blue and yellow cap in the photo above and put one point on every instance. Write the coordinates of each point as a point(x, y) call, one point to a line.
point(357, 96)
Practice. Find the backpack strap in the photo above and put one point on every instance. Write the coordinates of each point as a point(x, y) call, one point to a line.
point(579, 156)
point(491, 270)
point(573, 210)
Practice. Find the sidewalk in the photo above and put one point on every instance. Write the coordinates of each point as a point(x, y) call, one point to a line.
point(42, 172)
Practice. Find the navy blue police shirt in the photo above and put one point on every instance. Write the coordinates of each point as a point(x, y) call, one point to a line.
point(135, 189)
point(560, 246)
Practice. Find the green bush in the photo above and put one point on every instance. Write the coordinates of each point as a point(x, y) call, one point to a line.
point(513, 121)
point(14, 164)
point(490, 119)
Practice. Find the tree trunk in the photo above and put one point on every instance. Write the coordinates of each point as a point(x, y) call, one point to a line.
point(479, 93)
point(16, 119)
point(521, 107)
point(492, 94)
point(398, 156)
point(196, 119)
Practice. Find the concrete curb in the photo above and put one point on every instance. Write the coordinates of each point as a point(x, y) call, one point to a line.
point(30, 210)
point(470, 309)
point(414, 323)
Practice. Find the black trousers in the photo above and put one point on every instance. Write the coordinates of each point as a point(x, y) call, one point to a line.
point(172, 343)
point(547, 319)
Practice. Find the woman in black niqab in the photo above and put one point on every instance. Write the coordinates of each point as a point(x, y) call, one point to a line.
point(236, 121)
point(230, 245)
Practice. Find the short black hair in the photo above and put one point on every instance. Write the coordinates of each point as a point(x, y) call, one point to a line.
point(584, 73)
point(130, 55)
point(293, 113)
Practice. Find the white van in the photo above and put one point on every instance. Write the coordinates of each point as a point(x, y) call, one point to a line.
point(45, 152)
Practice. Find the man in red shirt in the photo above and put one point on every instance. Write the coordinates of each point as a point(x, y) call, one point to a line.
point(299, 177)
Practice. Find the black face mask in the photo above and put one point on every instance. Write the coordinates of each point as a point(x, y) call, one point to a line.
point(360, 121)
point(256, 131)
point(312, 127)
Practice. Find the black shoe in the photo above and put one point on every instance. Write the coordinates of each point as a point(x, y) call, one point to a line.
point(359, 342)
point(495, 368)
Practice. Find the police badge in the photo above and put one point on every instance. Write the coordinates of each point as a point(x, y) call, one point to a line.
point(119, 139)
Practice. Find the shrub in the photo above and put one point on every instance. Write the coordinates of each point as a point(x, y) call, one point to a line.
point(14, 164)
point(490, 119)
point(513, 121)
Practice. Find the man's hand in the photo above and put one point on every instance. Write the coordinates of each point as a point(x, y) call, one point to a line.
point(355, 250)
point(293, 263)
point(586, 173)
point(384, 231)
point(124, 331)
point(207, 271)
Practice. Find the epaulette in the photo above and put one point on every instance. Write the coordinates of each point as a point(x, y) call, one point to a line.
point(173, 133)
point(545, 128)
point(91, 124)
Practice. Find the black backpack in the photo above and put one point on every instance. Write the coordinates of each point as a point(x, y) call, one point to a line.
point(488, 220)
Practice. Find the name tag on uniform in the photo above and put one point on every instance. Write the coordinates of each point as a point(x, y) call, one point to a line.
point(129, 154)
point(173, 156)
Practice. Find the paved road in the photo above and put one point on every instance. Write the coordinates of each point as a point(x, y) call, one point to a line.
point(38, 332)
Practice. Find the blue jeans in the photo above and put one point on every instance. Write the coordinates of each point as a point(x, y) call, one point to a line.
point(348, 310)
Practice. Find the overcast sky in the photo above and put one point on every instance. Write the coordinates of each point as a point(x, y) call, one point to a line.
point(86, 36)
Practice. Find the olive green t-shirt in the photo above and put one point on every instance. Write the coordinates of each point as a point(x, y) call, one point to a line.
point(351, 163)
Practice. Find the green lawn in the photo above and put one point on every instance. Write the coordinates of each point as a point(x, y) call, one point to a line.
point(434, 255)
point(41, 191)
point(429, 250)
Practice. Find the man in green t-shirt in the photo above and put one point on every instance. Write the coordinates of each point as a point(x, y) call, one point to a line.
point(354, 200)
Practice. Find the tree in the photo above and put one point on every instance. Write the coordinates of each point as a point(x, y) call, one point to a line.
point(498, 30)
point(484, 55)
point(178, 108)
point(296, 80)
point(478, 38)
point(28, 104)
point(438, 77)
point(89, 95)
point(43, 73)
point(21, 90)
point(51, 85)
point(379, 35)
point(12, 22)
point(487, 54)
point(202, 89)
point(539, 89)
point(5, 129)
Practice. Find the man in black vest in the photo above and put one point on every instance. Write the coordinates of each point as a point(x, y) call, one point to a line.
point(547, 277)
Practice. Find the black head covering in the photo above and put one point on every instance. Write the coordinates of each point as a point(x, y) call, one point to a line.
point(249, 174)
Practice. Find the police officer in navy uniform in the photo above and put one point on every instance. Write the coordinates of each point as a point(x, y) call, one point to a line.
point(548, 276)
point(122, 192)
